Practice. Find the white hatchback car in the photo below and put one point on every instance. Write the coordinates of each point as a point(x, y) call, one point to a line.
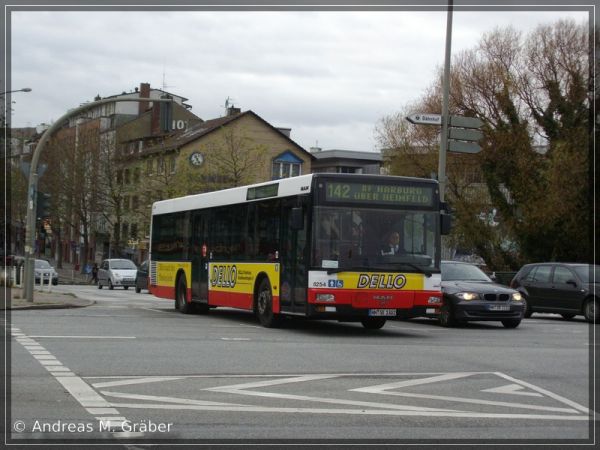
point(117, 272)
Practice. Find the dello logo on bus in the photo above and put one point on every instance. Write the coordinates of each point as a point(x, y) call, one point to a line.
point(223, 276)
point(381, 281)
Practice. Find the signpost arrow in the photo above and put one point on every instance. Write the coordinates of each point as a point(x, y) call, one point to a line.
point(465, 122)
point(425, 119)
point(463, 147)
point(465, 134)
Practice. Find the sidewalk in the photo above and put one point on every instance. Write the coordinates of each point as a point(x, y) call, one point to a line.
point(68, 275)
point(42, 300)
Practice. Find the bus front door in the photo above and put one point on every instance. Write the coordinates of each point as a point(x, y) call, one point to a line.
point(293, 263)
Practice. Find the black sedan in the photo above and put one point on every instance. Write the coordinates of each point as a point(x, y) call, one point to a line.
point(470, 295)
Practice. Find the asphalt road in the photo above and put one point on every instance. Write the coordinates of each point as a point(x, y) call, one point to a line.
point(130, 367)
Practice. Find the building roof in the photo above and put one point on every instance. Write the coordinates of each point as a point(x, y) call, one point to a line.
point(348, 154)
point(202, 129)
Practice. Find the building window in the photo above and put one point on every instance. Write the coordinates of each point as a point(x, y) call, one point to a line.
point(136, 175)
point(149, 166)
point(160, 168)
point(127, 176)
point(286, 165)
point(119, 177)
point(134, 230)
point(172, 162)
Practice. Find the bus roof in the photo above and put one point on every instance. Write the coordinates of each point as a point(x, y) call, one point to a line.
point(285, 187)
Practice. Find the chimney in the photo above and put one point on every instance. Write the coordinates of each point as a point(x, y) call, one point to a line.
point(315, 149)
point(144, 93)
point(233, 111)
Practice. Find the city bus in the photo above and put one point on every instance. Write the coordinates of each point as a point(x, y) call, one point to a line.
point(313, 246)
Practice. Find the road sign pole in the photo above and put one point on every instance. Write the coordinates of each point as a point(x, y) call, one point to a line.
point(445, 115)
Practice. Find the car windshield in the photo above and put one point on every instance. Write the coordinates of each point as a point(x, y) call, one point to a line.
point(588, 274)
point(41, 264)
point(462, 272)
point(123, 264)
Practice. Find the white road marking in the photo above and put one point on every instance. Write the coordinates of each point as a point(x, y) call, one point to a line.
point(415, 382)
point(360, 411)
point(94, 403)
point(234, 339)
point(556, 397)
point(515, 389)
point(135, 381)
point(175, 400)
point(384, 389)
point(84, 337)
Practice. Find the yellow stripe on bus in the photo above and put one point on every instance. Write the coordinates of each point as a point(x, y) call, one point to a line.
point(167, 271)
point(241, 277)
point(375, 280)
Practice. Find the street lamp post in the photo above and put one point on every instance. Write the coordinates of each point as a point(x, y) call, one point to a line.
point(33, 179)
point(17, 90)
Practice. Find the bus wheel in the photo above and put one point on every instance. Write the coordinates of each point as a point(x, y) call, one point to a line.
point(180, 296)
point(373, 323)
point(264, 305)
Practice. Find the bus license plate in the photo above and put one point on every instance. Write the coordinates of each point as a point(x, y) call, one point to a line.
point(499, 308)
point(382, 312)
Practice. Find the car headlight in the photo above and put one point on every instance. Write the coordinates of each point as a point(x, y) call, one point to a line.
point(517, 297)
point(467, 295)
point(117, 276)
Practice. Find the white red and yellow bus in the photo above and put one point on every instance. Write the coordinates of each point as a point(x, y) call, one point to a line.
point(311, 246)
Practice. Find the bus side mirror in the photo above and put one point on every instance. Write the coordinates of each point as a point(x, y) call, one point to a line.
point(297, 219)
point(445, 224)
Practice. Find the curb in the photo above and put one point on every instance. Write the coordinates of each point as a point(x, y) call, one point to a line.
point(66, 305)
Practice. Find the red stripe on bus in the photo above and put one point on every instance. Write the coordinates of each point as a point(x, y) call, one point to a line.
point(373, 298)
point(163, 292)
point(237, 300)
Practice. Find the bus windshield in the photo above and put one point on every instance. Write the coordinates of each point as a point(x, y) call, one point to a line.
point(381, 239)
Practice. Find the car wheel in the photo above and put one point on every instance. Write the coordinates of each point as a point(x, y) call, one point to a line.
point(590, 310)
point(264, 305)
point(446, 317)
point(181, 296)
point(373, 323)
point(568, 316)
point(125, 287)
point(511, 323)
point(110, 285)
point(138, 290)
point(99, 285)
point(528, 312)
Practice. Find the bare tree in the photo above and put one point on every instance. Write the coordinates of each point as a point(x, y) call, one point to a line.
point(533, 94)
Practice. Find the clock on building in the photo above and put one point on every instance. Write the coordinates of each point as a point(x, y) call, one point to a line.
point(196, 159)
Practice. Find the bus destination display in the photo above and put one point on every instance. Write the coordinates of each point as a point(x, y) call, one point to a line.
point(379, 193)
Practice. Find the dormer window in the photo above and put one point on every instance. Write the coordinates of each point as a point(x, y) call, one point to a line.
point(286, 165)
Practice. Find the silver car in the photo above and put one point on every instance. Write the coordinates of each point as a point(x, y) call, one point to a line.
point(43, 270)
point(117, 273)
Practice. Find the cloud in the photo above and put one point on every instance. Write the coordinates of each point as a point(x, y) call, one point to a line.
point(330, 76)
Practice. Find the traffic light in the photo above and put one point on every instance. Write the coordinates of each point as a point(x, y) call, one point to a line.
point(43, 205)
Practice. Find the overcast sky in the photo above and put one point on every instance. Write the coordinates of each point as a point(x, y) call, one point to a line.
point(329, 76)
